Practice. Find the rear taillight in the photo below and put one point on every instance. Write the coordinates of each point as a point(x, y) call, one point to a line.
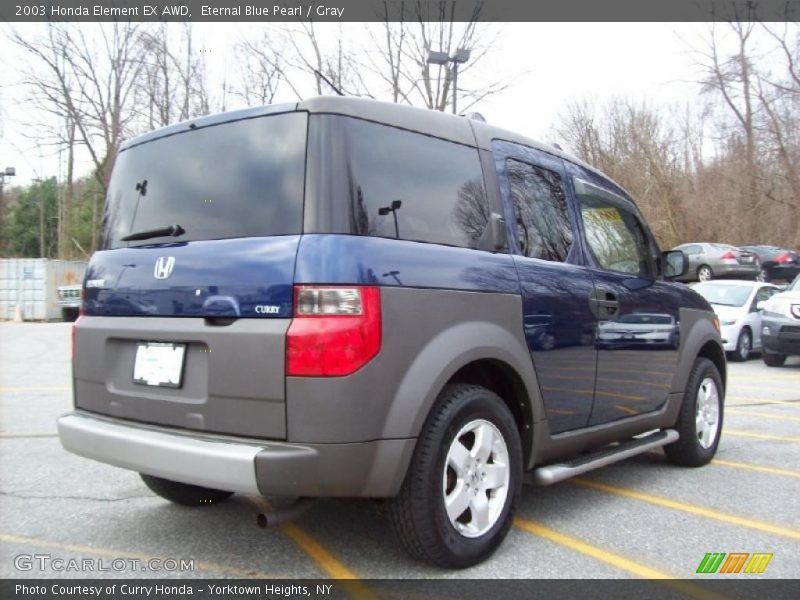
point(783, 258)
point(74, 326)
point(729, 255)
point(335, 330)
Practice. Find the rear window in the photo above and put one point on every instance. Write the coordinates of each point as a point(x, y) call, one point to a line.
point(237, 179)
point(411, 186)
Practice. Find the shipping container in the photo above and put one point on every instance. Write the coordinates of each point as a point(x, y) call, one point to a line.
point(32, 285)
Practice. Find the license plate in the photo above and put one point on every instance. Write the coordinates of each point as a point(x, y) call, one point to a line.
point(159, 364)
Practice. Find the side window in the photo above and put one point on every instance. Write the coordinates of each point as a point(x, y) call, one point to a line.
point(410, 186)
point(693, 249)
point(615, 236)
point(540, 210)
point(763, 294)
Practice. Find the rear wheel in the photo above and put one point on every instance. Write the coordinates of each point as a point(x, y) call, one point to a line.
point(184, 493)
point(700, 419)
point(704, 273)
point(773, 360)
point(744, 345)
point(458, 499)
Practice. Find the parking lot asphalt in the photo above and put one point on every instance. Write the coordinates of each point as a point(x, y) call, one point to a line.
point(639, 518)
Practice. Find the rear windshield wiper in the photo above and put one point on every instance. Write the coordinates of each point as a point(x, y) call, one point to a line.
point(169, 230)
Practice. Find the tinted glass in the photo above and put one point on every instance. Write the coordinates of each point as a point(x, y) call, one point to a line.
point(414, 187)
point(540, 209)
point(237, 179)
point(615, 236)
point(724, 295)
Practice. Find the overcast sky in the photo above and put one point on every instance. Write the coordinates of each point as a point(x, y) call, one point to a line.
point(550, 64)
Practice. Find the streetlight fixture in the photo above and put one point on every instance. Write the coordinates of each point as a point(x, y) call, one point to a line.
point(460, 56)
point(7, 172)
point(392, 208)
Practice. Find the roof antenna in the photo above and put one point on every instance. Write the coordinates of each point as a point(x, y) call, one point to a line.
point(328, 81)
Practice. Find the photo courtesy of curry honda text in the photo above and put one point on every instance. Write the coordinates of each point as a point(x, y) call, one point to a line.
point(342, 297)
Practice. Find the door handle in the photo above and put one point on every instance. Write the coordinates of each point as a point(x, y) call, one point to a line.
point(604, 304)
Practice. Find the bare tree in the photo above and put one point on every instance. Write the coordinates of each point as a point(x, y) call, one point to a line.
point(261, 68)
point(89, 75)
point(173, 75)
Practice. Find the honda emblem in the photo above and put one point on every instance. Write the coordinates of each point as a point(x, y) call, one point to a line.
point(163, 267)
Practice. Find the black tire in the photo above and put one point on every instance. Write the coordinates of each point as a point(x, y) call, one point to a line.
point(184, 493)
point(418, 514)
point(688, 451)
point(772, 359)
point(704, 273)
point(744, 346)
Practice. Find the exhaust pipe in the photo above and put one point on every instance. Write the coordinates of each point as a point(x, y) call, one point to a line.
point(275, 517)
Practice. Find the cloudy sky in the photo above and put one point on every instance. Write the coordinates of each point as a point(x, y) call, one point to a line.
point(550, 64)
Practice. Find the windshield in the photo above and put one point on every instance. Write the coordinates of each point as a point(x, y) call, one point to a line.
point(724, 295)
point(237, 179)
point(795, 286)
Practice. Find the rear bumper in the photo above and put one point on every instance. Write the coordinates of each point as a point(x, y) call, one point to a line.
point(735, 270)
point(371, 469)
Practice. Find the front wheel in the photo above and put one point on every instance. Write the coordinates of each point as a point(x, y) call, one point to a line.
point(458, 498)
point(184, 493)
point(744, 345)
point(700, 419)
point(773, 360)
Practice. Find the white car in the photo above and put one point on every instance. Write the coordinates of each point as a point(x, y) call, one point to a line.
point(738, 305)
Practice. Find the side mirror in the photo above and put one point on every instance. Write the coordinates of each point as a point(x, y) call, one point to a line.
point(493, 237)
point(675, 264)
point(760, 305)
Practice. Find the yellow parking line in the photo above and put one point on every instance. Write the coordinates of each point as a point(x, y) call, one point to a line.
point(599, 393)
point(626, 409)
point(760, 468)
point(739, 411)
point(607, 379)
point(691, 509)
point(762, 436)
point(107, 552)
point(615, 560)
point(320, 555)
point(35, 388)
point(795, 403)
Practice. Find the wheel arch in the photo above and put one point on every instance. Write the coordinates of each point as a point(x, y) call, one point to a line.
point(713, 352)
point(502, 379)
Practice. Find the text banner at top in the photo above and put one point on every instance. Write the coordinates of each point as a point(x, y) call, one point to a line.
point(401, 10)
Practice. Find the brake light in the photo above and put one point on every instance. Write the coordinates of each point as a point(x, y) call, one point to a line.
point(335, 330)
point(74, 326)
point(729, 255)
point(783, 258)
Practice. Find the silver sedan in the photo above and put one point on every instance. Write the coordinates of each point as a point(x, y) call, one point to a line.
point(712, 261)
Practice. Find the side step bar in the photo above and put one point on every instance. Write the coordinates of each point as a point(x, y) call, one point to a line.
point(550, 474)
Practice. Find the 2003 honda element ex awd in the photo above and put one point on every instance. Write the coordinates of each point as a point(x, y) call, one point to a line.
point(343, 297)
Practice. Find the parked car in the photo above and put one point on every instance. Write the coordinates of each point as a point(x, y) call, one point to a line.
point(780, 325)
point(394, 287)
point(69, 300)
point(709, 261)
point(633, 330)
point(775, 263)
point(737, 306)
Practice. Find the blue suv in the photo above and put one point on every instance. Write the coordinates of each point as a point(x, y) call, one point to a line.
point(343, 297)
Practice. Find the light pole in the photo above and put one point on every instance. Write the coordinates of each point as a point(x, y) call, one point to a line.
point(8, 172)
point(392, 208)
point(460, 56)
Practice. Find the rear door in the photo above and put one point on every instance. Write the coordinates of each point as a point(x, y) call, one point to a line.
point(188, 303)
point(638, 321)
point(556, 285)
